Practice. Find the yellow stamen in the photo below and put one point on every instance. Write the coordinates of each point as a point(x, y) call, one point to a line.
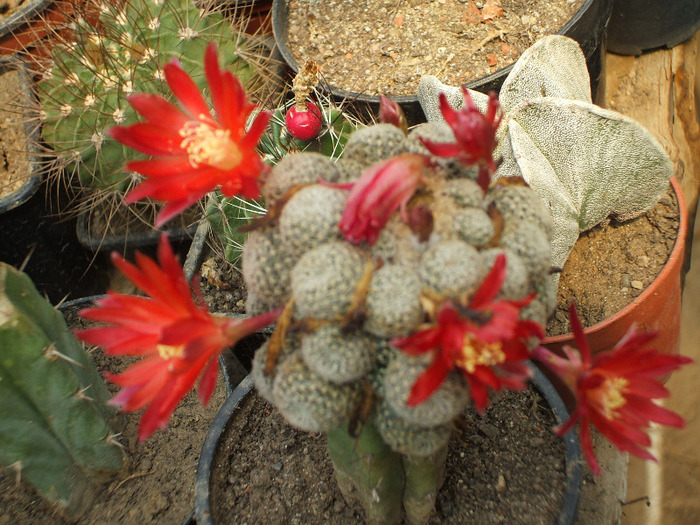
point(477, 353)
point(206, 144)
point(611, 395)
point(167, 352)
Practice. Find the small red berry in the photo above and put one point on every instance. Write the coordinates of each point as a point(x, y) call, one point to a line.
point(304, 124)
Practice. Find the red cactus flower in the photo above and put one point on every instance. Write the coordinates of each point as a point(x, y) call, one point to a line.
point(180, 339)
point(484, 339)
point(380, 191)
point(194, 151)
point(614, 389)
point(475, 135)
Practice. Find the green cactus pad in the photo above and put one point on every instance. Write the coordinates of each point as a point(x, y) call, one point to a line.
point(372, 144)
point(453, 268)
point(53, 417)
point(408, 439)
point(337, 357)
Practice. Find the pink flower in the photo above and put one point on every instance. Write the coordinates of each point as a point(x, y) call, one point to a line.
point(193, 151)
point(614, 389)
point(484, 339)
point(380, 191)
point(475, 135)
point(180, 340)
point(391, 113)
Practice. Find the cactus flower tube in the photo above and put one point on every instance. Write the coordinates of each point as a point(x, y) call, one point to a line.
point(615, 389)
point(382, 189)
point(194, 151)
point(484, 340)
point(180, 339)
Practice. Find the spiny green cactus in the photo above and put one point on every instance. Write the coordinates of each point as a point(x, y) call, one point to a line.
point(226, 215)
point(586, 163)
point(54, 418)
point(84, 92)
point(348, 301)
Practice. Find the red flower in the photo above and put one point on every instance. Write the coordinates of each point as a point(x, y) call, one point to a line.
point(614, 389)
point(484, 339)
point(475, 135)
point(194, 152)
point(180, 339)
point(380, 191)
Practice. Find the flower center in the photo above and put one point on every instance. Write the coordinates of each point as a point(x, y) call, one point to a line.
point(167, 352)
point(611, 395)
point(209, 145)
point(477, 353)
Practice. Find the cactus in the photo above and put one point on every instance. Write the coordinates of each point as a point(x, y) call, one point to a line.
point(84, 90)
point(586, 163)
point(54, 420)
point(337, 369)
point(226, 215)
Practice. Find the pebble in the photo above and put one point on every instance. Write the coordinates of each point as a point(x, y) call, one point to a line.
point(637, 285)
point(625, 280)
point(488, 430)
point(277, 466)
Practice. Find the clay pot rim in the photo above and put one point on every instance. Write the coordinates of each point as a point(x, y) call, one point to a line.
point(676, 254)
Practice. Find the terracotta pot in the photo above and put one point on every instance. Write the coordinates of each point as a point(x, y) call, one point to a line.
point(657, 308)
point(587, 27)
point(244, 391)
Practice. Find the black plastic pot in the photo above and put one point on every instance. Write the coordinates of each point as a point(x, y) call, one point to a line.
point(637, 26)
point(133, 239)
point(202, 512)
point(587, 27)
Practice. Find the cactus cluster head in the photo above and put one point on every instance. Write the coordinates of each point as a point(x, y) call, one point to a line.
point(350, 300)
point(120, 48)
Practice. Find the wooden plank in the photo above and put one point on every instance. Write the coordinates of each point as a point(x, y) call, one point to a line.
point(661, 90)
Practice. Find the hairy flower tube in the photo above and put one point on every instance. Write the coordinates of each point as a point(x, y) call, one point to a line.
point(179, 338)
point(484, 339)
point(379, 192)
point(615, 389)
point(194, 152)
point(475, 135)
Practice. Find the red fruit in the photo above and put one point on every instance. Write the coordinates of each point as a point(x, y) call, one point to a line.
point(304, 124)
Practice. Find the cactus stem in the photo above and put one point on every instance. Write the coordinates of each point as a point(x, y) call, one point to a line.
point(52, 354)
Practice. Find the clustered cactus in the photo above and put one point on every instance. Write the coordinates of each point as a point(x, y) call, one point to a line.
point(345, 303)
point(119, 50)
point(54, 419)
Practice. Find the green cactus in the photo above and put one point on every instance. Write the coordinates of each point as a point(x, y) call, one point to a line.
point(585, 163)
point(226, 215)
point(54, 418)
point(85, 90)
point(337, 371)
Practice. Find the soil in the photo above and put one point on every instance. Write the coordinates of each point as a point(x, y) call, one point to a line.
point(8, 7)
point(14, 167)
point(613, 263)
point(385, 46)
point(508, 464)
point(155, 486)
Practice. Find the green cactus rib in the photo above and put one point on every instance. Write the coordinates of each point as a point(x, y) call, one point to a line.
point(424, 477)
point(53, 415)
